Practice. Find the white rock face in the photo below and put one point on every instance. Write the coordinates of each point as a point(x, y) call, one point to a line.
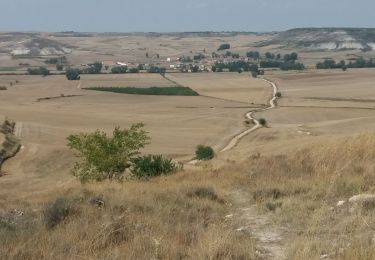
point(372, 45)
point(350, 45)
point(20, 52)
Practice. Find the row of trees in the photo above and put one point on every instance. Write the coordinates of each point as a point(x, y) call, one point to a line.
point(271, 56)
point(283, 65)
point(38, 71)
point(358, 63)
point(235, 66)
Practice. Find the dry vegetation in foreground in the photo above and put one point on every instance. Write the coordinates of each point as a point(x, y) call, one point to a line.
point(183, 216)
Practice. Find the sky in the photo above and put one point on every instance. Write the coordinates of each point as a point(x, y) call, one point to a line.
point(182, 15)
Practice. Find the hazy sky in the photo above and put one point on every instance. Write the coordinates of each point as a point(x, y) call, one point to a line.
point(182, 15)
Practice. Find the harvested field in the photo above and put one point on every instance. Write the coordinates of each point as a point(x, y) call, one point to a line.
point(176, 124)
point(228, 86)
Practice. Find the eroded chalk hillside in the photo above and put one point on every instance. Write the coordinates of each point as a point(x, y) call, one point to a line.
point(316, 39)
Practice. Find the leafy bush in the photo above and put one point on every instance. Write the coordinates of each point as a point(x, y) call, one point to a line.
point(57, 212)
point(153, 165)
point(163, 91)
point(102, 157)
point(72, 74)
point(204, 153)
point(278, 94)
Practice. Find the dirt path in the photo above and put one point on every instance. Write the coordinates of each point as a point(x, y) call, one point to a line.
point(271, 238)
point(234, 141)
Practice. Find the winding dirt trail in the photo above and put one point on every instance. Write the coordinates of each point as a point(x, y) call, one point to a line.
point(234, 141)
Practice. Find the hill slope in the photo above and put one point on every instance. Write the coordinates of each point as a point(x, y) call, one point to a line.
point(326, 39)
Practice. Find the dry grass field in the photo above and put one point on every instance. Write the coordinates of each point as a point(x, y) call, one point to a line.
point(176, 124)
point(228, 86)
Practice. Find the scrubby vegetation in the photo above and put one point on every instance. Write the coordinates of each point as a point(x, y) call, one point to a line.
point(55, 61)
point(162, 91)
point(119, 69)
point(102, 157)
point(204, 153)
point(153, 165)
point(155, 69)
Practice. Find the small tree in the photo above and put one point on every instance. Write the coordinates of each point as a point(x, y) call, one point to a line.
point(102, 157)
point(278, 94)
point(72, 74)
point(204, 153)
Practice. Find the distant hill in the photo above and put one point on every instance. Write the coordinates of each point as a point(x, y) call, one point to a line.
point(325, 39)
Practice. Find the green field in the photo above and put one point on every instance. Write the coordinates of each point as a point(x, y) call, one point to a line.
point(158, 91)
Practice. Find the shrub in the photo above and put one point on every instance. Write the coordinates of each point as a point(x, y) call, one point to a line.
point(153, 165)
point(254, 74)
point(204, 193)
point(262, 122)
point(57, 212)
point(204, 153)
point(102, 157)
point(278, 94)
point(72, 74)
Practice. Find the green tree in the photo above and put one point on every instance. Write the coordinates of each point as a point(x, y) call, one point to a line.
point(102, 157)
point(72, 74)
